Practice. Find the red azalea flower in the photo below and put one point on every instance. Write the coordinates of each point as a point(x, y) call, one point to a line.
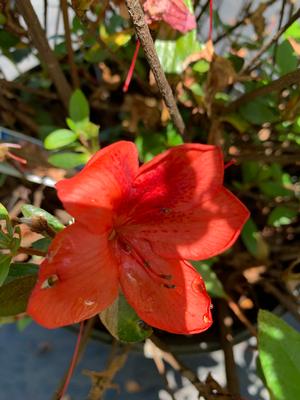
point(134, 229)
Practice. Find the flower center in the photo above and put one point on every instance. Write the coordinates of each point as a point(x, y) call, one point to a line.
point(127, 247)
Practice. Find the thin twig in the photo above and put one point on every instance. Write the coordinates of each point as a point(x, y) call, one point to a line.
point(241, 316)
point(291, 306)
point(31, 252)
point(73, 67)
point(226, 340)
point(204, 389)
point(277, 85)
point(47, 56)
point(252, 64)
point(137, 15)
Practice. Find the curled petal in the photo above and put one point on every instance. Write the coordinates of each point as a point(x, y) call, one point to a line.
point(93, 194)
point(166, 294)
point(78, 279)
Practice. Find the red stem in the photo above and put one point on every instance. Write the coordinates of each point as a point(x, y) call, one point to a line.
point(210, 19)
point(73, 362)
point(132, 65)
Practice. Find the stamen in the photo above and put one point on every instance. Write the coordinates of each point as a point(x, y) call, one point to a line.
point(131, 68)
point(230, 163)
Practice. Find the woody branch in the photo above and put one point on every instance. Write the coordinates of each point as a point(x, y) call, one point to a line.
point(142, 30)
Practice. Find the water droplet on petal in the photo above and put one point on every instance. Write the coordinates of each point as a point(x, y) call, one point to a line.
point(206, 318)
point(197, 286)
point(89, 302)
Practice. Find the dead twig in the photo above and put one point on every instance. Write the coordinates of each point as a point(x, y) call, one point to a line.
point(252, 64)
point(47, 56)
point(142, 30)
point(226, 340)
point(73, 67)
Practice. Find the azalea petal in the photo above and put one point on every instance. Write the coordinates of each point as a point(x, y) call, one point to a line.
point(205, 230)
point(173, 12)
point(179, 304)
point(182, 176)
point(92, 194)
point(84, 276)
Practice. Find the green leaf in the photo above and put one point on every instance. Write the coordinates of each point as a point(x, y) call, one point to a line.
point(60, 138)
point(122, 322)
point(42, 244)
point(3, 212)
point(18, 270)
point(253, 240)
point(250, 171)
point(281, 215)
point(78, 107)
point(293, 31)
point(7, 39)
point(15, 294)
point(286, 59)
point(279, 353)
point(173, 138)
point(68, 160)
point(29, 210)
point(212, 283)
point(173, 51)
point(23, 323)
point(5, 260)
point(274, 189)
point(201, 66)
point(257, 112)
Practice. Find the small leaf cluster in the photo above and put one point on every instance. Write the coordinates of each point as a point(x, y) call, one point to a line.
point(77, 143)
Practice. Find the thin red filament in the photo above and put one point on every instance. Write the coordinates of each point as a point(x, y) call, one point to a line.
point(230, 163)
point(210, 19)
point(73, 361)
point(132, 65)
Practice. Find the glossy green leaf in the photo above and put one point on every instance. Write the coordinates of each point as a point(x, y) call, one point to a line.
point(60, 138)
point(279, 353)
point(3, 212)
point(23, 323)
point(5, 260)
point(29, 210)
point(123, 323)
point(68, 160)
point(286, 59)
point(42, 244)
point(15, 294)
point(293, 31)
point(281, 215)
point(78, 107)
point(253, 240)
point(18, 270)
point(258, 113)
point(212, 282)
point(274, 189)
